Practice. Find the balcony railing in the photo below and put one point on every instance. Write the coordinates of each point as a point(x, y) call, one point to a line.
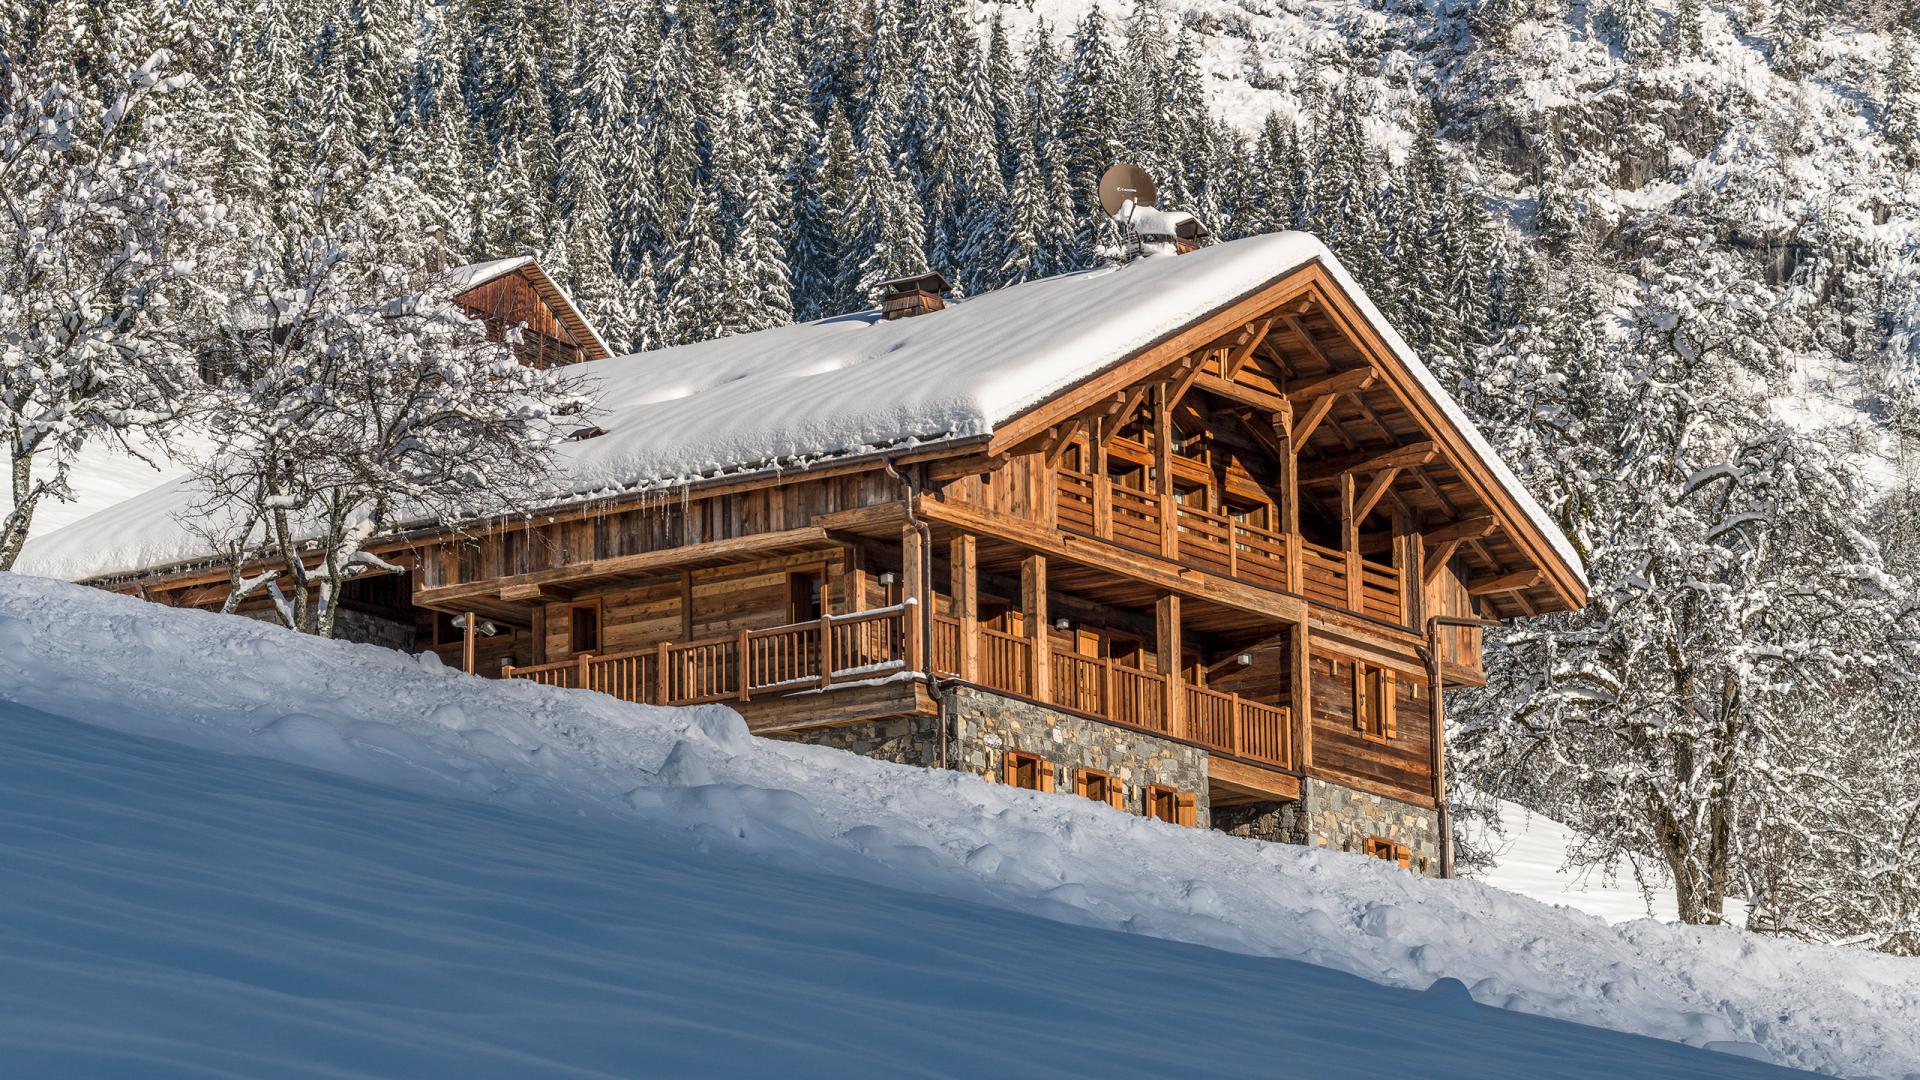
point(1138, 521)
point(825, 652)
point(1101, 688)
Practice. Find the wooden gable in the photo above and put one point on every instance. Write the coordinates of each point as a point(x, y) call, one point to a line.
point(1295, 366)
point(555, 333)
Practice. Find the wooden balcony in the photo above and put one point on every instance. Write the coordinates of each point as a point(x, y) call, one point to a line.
point(1154, 524)
point(828, 652)
point(1097, 687)
point(839, 651)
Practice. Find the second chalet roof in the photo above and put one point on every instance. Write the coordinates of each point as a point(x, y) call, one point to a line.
point(853, 385)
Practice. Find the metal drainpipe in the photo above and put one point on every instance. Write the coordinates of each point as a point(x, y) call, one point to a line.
point(926, 606)
point(1430, 652)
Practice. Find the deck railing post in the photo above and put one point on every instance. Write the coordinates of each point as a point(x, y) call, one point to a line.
point(665, 678)
point(743, 665)
point(585, 678)
point(826, 650)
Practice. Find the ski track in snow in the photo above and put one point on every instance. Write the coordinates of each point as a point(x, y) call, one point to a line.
point(696, 781)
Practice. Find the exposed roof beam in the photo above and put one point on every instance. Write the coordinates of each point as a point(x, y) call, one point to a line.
point(1396, 457)
point(1337, 382)
point(1437, 560)
point(1505, 583)
point(1308, 417)
point(1237, 359)
point(1306, 336)
point(1063, 437)
point(1244, 395)
point(1472, 528)
point(1370, 498)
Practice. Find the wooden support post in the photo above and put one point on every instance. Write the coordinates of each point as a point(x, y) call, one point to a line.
point(825, 660)
point(1300, 691)
point(914, 592)
point(1168, 651)
point(662, 656)
point(1289, 523)
point(1033, 613)
point(1163, 473)
point(1350, 541)
point(965, 562)
point(468, 646)
point(853, 572)
point(1408, 551)
point(1102, 489)
point(743, 665)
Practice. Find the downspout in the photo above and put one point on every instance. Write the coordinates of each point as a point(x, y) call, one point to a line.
point(925, 614)
point(1430, 652)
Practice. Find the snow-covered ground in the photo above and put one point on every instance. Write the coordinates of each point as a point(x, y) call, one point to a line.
point(1531, 859)
point(500, 878)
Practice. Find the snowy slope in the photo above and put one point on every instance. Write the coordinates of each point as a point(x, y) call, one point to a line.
point(169, 911)
point(559, 847)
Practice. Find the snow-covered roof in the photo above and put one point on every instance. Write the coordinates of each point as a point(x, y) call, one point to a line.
point(473, 275)
point(846, 386)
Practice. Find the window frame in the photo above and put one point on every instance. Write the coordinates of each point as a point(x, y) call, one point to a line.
point(1113, 791)
point(1384, 849)
point(1011, 762)
point(598, 611)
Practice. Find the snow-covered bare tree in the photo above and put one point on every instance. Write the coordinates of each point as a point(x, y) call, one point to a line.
point(100, 219)
point(351, 397)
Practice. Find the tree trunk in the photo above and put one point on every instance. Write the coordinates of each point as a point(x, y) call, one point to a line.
point(13, 533)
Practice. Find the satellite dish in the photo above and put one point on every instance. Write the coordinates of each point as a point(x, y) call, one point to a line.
point(1123, 182)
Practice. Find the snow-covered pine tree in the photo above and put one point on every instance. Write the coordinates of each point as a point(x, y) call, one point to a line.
point(1900, 101)
point(817, 252)
point(101, 226)
point(1093, 125)
point(883, 224)
point(757, 293)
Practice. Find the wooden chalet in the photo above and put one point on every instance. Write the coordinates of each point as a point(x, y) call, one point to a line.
point(1197, 535)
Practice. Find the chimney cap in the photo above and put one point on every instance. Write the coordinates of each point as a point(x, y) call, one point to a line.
point(932, 283)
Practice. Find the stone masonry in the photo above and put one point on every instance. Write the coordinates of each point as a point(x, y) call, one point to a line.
point(987, 725)
point(1335, 816)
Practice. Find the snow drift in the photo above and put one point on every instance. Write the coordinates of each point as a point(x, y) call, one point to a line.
point(692, 785)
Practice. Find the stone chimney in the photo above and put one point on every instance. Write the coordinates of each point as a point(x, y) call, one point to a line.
point(905, 297)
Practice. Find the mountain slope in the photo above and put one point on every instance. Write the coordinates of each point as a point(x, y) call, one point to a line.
point(529, 845)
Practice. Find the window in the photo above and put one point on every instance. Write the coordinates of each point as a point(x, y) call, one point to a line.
point(1028, 771)
point(806, 595)
point(1100, 787)
point(1379, 847)
point(1373, 693)
point(1172, 807)
point(585, 628)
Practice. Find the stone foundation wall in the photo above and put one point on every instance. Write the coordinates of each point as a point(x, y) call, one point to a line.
point(986, 726)
point(1335, 816)
point(906, 740)
point(1274, 822)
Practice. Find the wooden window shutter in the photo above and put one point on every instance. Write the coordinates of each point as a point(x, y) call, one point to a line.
point(1402, 855)
point(1359, 695)
point(1010, 770)
point(1187, 809)
point(1386, 704)
point(1116, 794)
point(1046, 776)
point(1079, 781)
